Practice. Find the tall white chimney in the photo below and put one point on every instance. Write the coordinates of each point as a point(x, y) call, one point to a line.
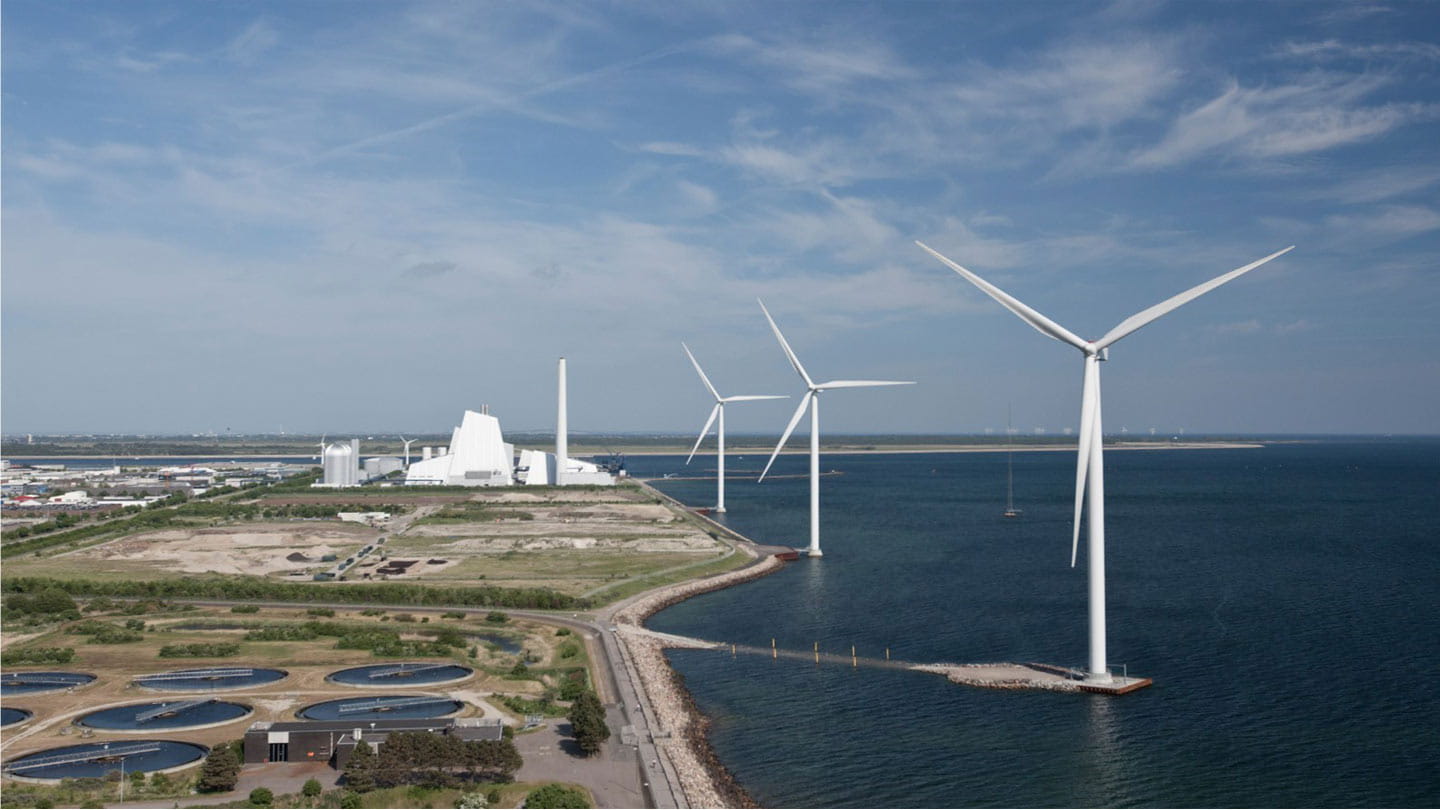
point(562, 428)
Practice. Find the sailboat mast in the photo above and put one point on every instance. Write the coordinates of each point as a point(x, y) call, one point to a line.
point(1009, 465)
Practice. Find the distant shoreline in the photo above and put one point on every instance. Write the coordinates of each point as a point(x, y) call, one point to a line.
point(651, 451)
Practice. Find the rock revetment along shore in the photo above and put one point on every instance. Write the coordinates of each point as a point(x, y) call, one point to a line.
point(681, 732)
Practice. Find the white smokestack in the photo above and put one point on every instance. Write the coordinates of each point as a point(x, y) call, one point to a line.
point(562, 428)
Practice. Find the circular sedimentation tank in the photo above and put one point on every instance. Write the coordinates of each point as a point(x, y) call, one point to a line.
point(408, 673)
point(94, 760)
point(34, 683)
point(382, 707)
point(9, 716)
point(210, 679)
point(167, 715)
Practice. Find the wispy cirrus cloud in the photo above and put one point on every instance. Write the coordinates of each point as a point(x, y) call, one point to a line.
point(1316, 114)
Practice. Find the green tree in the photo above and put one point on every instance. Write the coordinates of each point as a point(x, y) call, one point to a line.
point(261, 797)
point(553, 795)
point(587, 723)
point(220, 771)
point(137, 781)
point(312, 788)
point(360, 769)
point(160, 782)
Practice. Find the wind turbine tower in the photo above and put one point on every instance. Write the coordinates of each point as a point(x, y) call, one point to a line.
point(407, 442)
point(812, 400)
point(717, 412)
point(1090, 460)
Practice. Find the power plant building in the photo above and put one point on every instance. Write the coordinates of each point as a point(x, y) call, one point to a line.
point(477, 457)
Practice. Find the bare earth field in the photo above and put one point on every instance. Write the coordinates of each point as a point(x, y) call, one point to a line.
point(577, 541)
point(251, 548)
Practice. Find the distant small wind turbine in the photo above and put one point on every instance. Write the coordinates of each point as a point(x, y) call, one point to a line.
point(407, 442)
point(1091, 460)
point(718, 411)
point(811, 399)
point(322, 448)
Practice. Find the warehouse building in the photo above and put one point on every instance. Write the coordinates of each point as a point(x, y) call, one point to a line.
point(333, 741)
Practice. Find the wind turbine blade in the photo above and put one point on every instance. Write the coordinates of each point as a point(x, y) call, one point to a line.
point(753, 397)
point(715, 411)
point(789, 352)
point(1140, 319)
point(790, 428)
point(857, 384)
point(700, 371)
point(1042, 324)
point(1090, 394)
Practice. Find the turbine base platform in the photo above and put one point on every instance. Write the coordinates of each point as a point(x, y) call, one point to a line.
point(1116, 686)
point(1032, 676)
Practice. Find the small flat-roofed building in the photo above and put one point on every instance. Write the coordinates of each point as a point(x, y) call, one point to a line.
point(333, 741)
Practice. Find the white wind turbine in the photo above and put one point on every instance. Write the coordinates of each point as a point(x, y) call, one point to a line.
point(718, 411)
point(407, 442)
point(812, 399)
point(1090, 459)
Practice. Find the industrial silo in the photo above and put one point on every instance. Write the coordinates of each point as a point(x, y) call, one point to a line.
point(339, 464)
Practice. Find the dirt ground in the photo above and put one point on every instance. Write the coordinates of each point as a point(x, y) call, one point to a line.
point(254, 548)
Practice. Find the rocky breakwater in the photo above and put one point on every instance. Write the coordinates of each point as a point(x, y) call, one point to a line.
point(1004, 676)
point(680, 731)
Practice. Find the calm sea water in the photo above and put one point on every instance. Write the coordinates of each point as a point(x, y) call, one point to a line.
point(1284, 599)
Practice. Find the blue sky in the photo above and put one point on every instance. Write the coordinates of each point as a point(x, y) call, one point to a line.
point(368, 216)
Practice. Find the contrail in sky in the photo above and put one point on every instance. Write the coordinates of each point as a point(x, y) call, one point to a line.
point(483, 106)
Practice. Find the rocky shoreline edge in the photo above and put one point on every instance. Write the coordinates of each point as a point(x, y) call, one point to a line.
point(682, 731)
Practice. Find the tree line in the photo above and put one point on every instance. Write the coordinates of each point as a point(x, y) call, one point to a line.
point(260, 589)
point(429, 759)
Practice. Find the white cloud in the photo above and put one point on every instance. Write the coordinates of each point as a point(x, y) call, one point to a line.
point(1320, 113)
point(1237, 328)
point(257, 38)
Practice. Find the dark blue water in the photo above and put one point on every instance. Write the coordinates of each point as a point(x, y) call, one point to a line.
point(201, 681)
point(427, 673)
point(1283, 599)
point(9, 716)
point(34, 683)
point(361, 708)
point(171, 754)
point(125, 717)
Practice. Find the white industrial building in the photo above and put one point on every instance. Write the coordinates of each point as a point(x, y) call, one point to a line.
point(381, 466)
point(537, 467)
point(477, 457)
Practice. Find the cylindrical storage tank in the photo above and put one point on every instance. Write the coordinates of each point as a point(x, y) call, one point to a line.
point(426, 452)
point(444, 451)
point(372, 468)
point(337, 465)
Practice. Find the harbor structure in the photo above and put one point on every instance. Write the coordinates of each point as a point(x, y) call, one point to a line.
point(1090, 469)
